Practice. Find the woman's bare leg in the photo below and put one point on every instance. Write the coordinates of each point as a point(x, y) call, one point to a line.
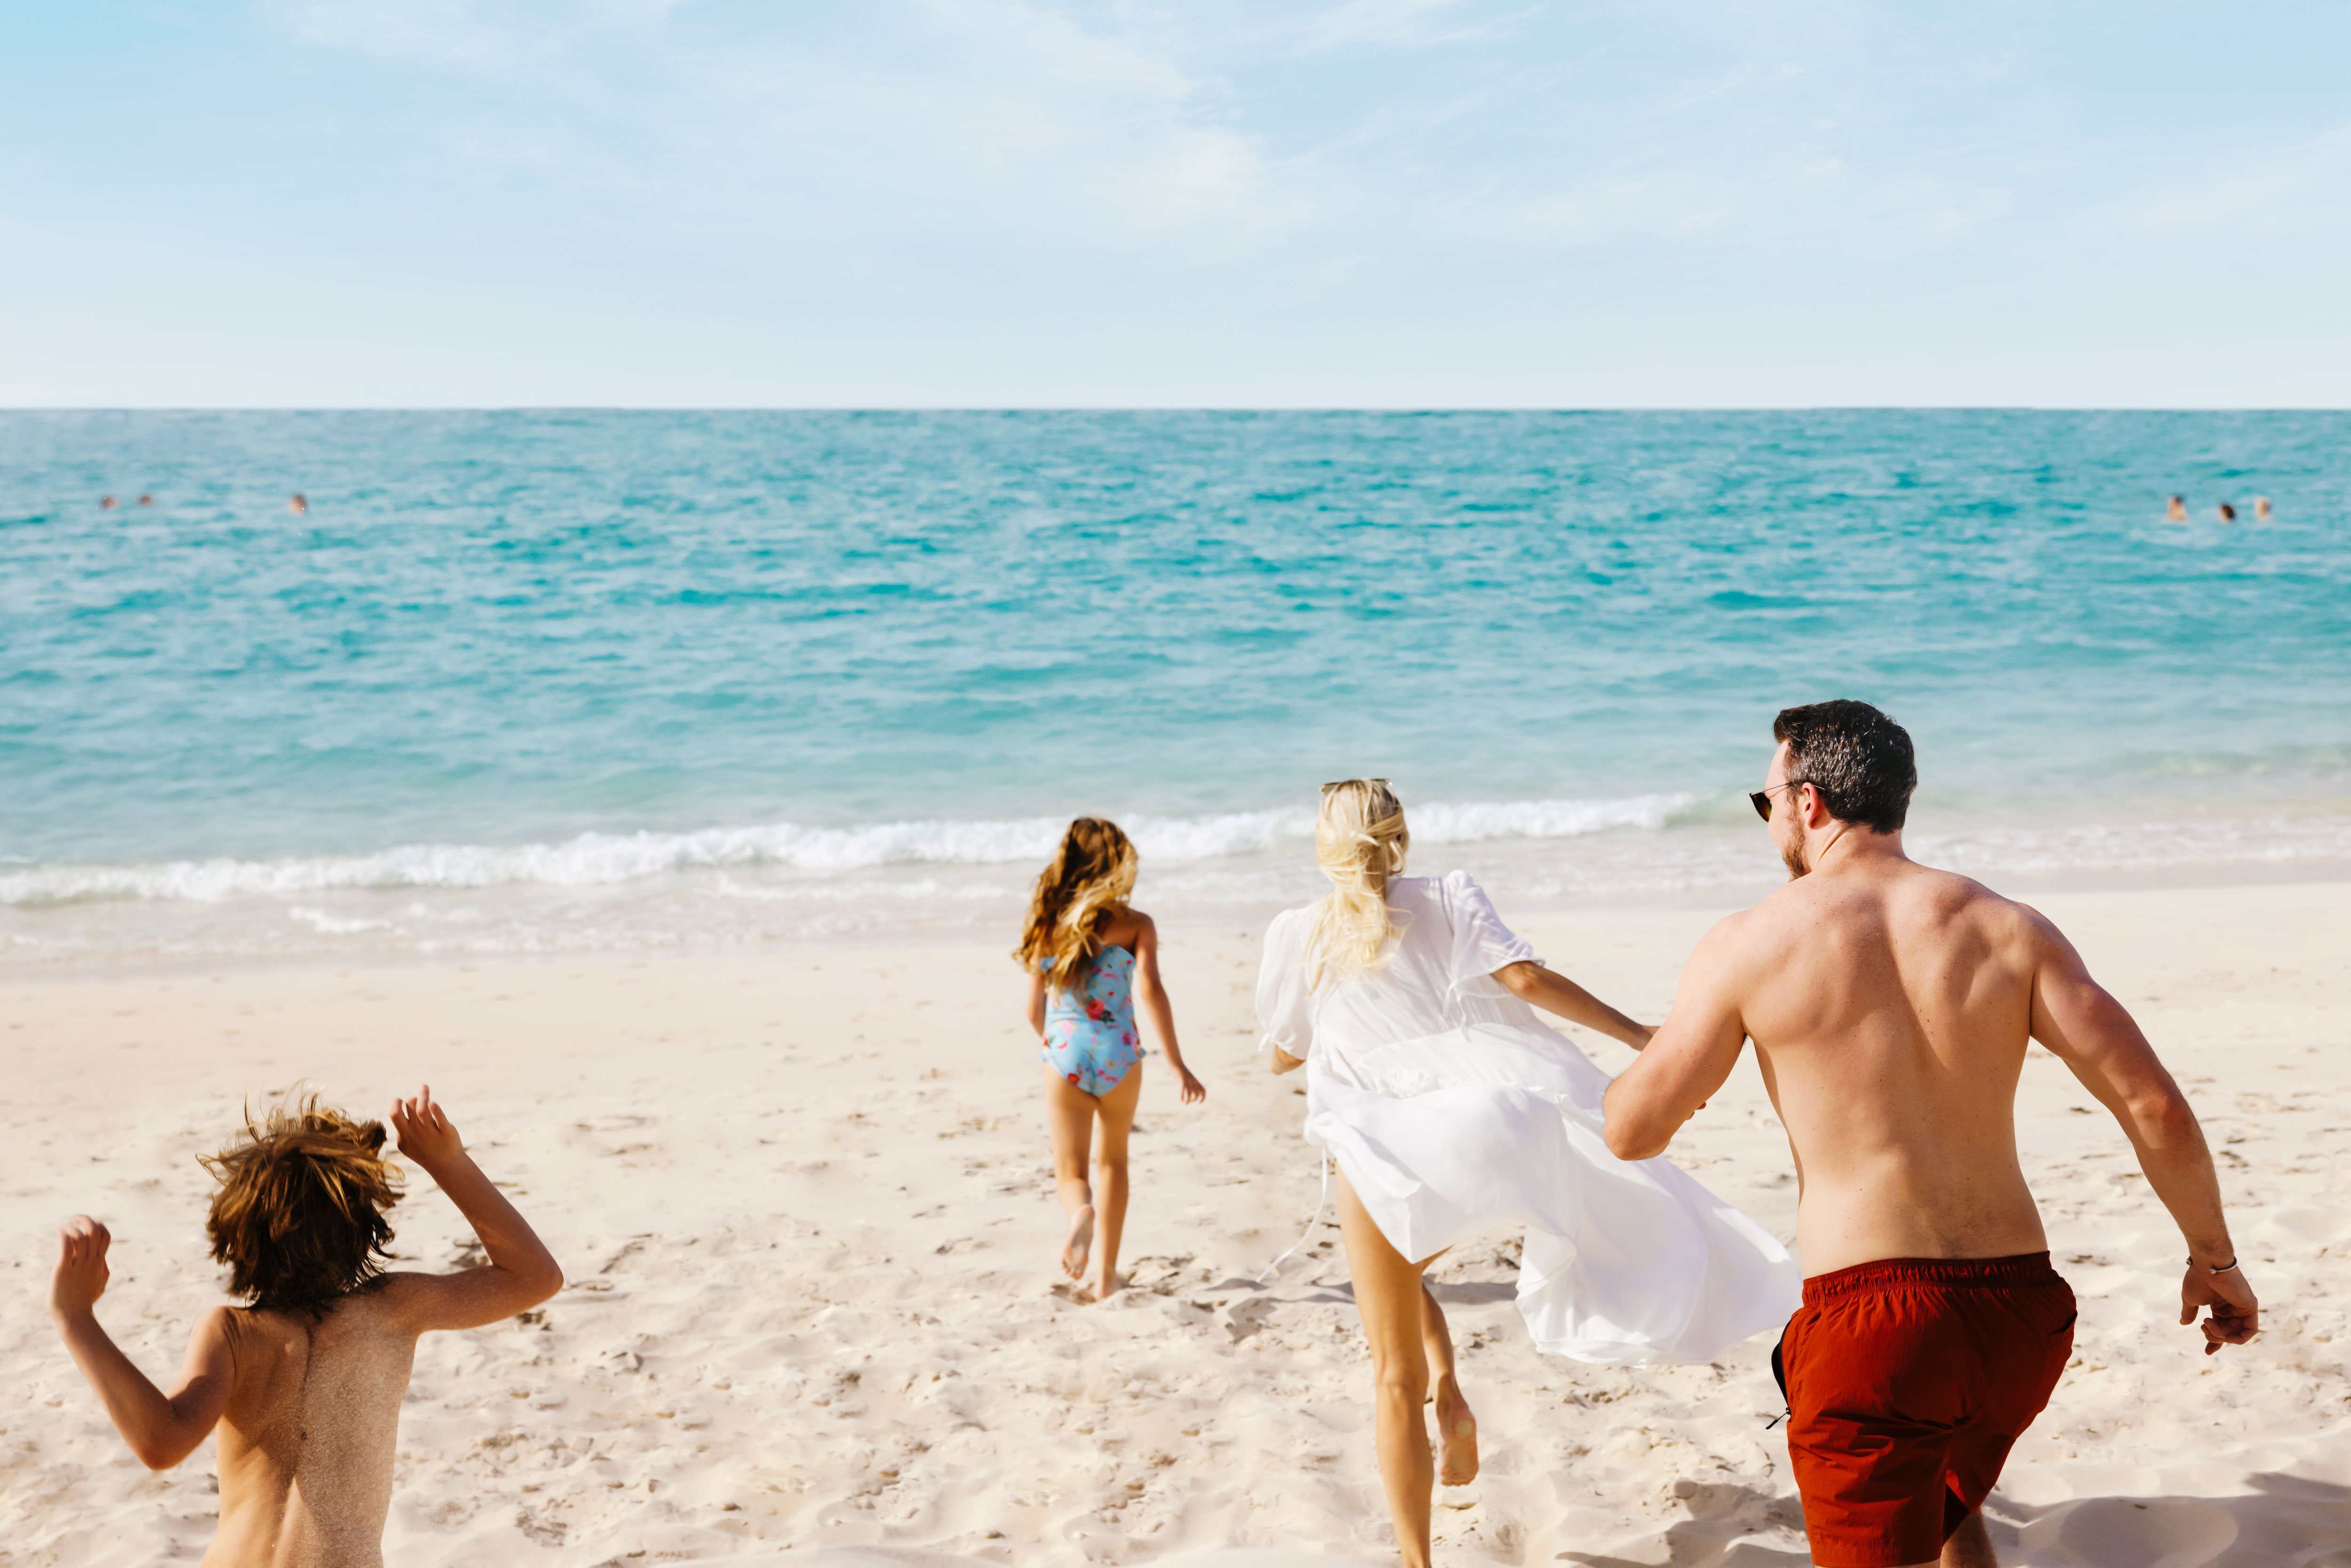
point(1069, 1115)
point(1389, 1299)
point(1456, 1429)
point(1116, 1109)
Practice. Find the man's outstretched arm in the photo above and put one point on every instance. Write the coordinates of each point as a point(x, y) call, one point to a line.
point(1687, 1059)
point(2083, 1025)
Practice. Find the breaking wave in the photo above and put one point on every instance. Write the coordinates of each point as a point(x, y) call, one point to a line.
point(596, 860)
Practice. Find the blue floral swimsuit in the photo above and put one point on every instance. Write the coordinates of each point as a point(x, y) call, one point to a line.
point(1090, 1035)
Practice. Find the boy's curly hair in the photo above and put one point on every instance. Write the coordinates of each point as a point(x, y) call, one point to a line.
point(298, 1218)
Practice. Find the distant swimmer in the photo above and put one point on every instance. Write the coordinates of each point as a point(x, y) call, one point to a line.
point(2176, 512)
point(105, 503)
point(146, 501)
point(2228, 513)
point(2260, 508)
point(298, 503)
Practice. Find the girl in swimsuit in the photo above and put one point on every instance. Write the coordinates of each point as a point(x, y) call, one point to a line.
point(1088, 954)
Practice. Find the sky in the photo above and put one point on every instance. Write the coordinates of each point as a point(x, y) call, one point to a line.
point(1196, 204)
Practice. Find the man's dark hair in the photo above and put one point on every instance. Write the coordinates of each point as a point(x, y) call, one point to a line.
point(1859, 760)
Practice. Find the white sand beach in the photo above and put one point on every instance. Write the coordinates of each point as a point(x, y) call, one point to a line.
point(804, 1203)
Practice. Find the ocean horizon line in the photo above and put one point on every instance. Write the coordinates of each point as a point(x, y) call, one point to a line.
point(1202, 408)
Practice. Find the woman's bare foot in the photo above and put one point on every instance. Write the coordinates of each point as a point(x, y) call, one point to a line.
point(1081, 1244)
point(1106, 1288)
point(1456, 1439)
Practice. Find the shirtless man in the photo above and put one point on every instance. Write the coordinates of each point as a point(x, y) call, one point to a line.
point(305, 1383)
point(1891, 1006)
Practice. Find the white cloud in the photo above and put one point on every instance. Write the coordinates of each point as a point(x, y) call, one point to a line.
point(1794, 202)
point(1399, 25)
point(467, 31)
point(1044, 46)
point(1061, 120)
point(1260, 191)
point(2299, 188)
point(1011, 108)
point(474, 35)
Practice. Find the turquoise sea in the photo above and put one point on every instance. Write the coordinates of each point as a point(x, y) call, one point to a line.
point(542, 680)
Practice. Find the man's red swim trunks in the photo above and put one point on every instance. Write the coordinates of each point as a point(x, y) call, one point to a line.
point(1908, 1379)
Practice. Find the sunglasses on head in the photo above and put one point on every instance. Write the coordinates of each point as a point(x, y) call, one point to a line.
point(1336, 782)
point(1761, 798)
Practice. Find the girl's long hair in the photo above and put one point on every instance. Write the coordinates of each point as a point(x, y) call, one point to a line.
point(1360, 841)
point(1086, 882)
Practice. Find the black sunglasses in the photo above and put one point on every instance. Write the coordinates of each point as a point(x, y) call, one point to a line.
point(1761, 798)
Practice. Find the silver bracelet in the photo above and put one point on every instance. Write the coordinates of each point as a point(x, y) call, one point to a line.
point(2222, 1269)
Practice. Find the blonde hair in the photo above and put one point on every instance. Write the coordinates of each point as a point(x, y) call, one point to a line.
point(1360, 841)
point(1086, 882)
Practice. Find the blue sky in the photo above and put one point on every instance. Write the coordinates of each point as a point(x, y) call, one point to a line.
point(993, 202)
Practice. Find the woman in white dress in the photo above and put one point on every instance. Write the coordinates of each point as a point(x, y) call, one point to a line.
point(1449, 1108)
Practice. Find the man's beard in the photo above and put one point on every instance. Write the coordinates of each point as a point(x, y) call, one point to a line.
point(1794, 859)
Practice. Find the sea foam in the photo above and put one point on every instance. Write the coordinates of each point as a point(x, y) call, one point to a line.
point(595, 859)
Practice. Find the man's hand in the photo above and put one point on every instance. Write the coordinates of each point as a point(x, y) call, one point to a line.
point(425, 1133)
point(2236, 1315)
point(82, 1275)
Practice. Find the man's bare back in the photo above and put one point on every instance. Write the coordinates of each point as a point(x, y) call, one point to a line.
point(1892, 1007)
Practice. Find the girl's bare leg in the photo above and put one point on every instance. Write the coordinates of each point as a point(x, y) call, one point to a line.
point(1390, 1301)
point(1456, 1429)
point(1116, 1109)
point(1069, 1115)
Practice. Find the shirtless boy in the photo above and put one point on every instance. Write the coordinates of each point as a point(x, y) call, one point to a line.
point(1891, 1006)
point(305, 1383)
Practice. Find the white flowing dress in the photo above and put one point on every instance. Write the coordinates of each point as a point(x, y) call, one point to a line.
point(1452, 1108)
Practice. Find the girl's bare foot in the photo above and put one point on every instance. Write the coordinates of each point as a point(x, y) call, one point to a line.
point(1081, 1244)
point(1105, 1288)
point(1456, 1439)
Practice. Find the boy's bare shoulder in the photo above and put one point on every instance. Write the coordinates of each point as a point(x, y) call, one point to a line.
point(392, 1298)
point(255, 1342)
point(224, 1331)
point(247, 1331)
point(379, 1307)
